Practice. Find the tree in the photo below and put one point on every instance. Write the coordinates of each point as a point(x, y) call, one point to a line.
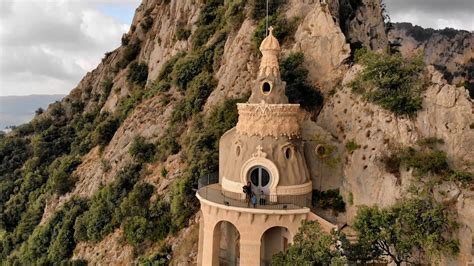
point(311, 246)
point(413, 226)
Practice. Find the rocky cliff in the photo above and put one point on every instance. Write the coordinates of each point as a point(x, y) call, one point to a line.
point(327, 32)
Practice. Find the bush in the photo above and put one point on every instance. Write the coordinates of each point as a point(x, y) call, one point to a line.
point(329, 199)
point(106, 89)
point(298, 88)
point(138, 73)
point(210, 20)
point(390, 81)
point(136, 229)
point(197, 93)
point(167, 68)
point(258, 8)
point(283, 29)
point(351, 146)
point(101, 218)
point(311, 246)
point(105, 131)
point(186, 68)
point(130, 52)
point(127, 104)
point(182, 33)
point(60, 170)
point(403, 231)
point(146, 23)
point(142, 151)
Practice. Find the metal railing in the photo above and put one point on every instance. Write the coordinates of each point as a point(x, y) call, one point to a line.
point(215, 193)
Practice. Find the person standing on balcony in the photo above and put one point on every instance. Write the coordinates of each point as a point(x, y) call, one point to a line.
point(254, 200)
point(247, 189)
point(262, 198)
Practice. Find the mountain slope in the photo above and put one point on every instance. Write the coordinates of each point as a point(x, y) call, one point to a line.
point(108, 175)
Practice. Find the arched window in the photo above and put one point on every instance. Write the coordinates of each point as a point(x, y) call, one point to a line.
point(259, 176)
point(266, 87)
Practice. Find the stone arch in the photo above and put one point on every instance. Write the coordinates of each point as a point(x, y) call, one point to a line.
point(226, 247)
point(269, 165)
point(274, 239)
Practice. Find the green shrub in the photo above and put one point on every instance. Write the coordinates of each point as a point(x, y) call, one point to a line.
point(351, 146)
point(390, 81)
point(141, 150)
point(60, 170)
point(430, 142)
point(210, 20)
point(329, 199)
point(105, 131)
point(127, 104)
point(298, 88)
point(168, 144)
point(101, 218)
point(136, 229)
point(106, 89)
point(130, 52)
point(197, 93)
point(182, 33)
point(167, 68)
point(186, 68)
point(311, 246)
point(401, 232)
point(137, 73)
point(146, 23)
point(258, 8)
point(161, 258)
point(283, 29)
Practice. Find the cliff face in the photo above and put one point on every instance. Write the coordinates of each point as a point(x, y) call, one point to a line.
point(325, 33)
point(450, 51)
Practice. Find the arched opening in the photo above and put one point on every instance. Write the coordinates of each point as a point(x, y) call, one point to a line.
point(227, 244)
point(259, 176)
point(273, 241)
point(266, 87)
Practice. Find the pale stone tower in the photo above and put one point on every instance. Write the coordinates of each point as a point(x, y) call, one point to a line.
point(265, 149)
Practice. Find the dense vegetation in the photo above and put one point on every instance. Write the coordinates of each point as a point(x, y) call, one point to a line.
point(412, 231)
point(429, 163)
point(390, 81)
point(311, 246)
point(298, 88)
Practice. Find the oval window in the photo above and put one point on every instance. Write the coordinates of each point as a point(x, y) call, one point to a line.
point(266, 88)
point(321, 150)
point(288, 153)
point(259, 177)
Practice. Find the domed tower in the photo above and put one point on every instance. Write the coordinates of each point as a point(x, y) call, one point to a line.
point(265, 149)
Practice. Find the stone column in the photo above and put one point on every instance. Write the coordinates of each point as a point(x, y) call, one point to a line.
point(210, 243)
point(249, 251)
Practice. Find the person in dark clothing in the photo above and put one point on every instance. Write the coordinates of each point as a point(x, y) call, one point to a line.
point(247, 189)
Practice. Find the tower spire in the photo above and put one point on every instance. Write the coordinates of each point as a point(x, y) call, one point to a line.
point(270, 48)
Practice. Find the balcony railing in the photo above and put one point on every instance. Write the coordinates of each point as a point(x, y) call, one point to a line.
point(215, 193)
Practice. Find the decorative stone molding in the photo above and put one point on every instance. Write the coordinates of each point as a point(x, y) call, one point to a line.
point(295, 190)
point(258, 159)
point(274, 120)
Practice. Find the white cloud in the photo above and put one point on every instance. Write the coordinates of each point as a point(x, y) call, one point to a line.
point(437, 14)
point(47, 46)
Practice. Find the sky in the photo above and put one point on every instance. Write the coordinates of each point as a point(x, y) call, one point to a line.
point(47, 46)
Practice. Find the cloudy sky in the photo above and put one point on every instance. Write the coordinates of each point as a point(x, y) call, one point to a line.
point(46, 46)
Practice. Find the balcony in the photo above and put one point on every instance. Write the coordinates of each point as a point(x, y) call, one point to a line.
point(215, 194)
